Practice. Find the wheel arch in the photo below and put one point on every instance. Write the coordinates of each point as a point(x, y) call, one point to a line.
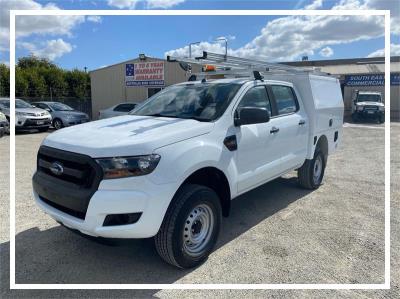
point(323, 145)
point(214, 179)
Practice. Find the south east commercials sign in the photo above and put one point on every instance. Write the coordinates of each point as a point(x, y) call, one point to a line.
point(371, 80)
point(144, 74)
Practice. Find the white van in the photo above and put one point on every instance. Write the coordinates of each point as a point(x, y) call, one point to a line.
point(170, 169)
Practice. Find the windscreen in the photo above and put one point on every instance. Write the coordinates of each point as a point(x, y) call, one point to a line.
point(368, 98)
point(60, 107)
point(203, 102)
point(18, 104)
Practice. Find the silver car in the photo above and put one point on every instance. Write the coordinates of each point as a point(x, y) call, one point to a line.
point(63, 115)
point(117, 110)
point(4, 125)
point(27, 117)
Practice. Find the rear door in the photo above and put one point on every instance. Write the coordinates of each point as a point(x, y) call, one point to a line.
point(291, 123)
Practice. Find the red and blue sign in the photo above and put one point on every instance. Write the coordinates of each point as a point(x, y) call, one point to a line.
point(145, 74)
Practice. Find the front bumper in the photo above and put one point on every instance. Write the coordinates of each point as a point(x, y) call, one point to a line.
point(370, 113)
point(27, 122)
point(152, 205)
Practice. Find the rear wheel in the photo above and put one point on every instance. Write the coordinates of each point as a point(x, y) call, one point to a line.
point(312, 172)
point(190, 228)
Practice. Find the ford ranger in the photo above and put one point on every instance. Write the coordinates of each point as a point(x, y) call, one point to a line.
point(170, 168)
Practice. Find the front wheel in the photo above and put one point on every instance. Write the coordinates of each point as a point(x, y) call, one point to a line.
point(190, 228)
point(312, 172)
point(57, 124)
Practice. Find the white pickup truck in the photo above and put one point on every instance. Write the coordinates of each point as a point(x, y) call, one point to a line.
point(170, 168)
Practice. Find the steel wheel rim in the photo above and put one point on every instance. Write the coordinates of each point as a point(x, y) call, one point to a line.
point(317, 170)
point(197, 230)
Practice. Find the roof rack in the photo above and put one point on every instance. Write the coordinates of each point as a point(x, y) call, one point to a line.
point(229, 66)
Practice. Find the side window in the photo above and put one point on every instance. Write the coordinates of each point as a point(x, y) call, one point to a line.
point(124, 107)
point(284, 98)
point(256, 97)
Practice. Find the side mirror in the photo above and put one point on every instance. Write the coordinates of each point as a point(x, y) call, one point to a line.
point(47, 109)
point(251, 115)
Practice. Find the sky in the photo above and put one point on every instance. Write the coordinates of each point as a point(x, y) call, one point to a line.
point(98, 41)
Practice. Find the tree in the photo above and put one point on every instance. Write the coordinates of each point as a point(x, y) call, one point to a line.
point(55, 81)
point(40, 78)
point(78, 83)
point(4, 80)
point(34, 62)
point(36, 84)
point(21, 83)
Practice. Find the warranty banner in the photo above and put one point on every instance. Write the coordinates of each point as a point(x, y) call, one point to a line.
point(144, 74)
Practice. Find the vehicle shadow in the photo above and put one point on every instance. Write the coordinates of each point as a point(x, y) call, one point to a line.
point(57, 255)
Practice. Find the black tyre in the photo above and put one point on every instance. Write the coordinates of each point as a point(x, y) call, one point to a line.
point(381, 119)
point(43, 129)
point(354, 117)
point(190, 227)
point(57, 124)
point(312, 172)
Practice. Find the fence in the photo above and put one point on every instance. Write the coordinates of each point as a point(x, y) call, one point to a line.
point(80, 104)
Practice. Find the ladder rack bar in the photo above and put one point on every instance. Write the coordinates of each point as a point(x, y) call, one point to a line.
point(229, 65)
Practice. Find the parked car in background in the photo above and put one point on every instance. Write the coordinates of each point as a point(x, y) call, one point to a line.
point(368, 105)
point(27, 117)
point(63, 115)
point(4, 125)
point(117, 110)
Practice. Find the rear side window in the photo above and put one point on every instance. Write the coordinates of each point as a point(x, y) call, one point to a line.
point(256, 97)
point(284, 98)
point(124, 107)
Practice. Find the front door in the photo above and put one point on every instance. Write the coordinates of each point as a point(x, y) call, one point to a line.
point(256, 152)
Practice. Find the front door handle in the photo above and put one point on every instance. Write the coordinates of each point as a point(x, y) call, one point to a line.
point(302, 122)
point(274, 130)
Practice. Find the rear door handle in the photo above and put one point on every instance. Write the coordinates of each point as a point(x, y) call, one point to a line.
point(302, 122)
point(274, 130)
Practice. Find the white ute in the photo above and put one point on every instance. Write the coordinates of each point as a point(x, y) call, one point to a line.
point(171, 169)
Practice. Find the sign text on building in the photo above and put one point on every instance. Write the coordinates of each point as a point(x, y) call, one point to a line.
point(371, 79)
point(144, 74)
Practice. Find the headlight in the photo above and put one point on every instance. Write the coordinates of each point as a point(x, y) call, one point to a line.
point(120, 167)
point(381, 108)
point(360, 108)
